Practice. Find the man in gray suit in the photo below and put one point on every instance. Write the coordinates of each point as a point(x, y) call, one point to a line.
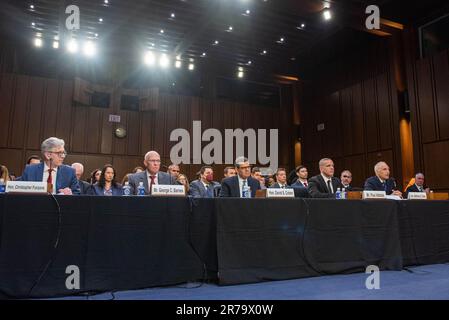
point(205, 187)
point(151, 175)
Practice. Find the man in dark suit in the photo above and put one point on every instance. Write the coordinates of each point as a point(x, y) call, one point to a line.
point(281, 179)
point(205, 186)
point(60, 178)
point(233, 186)
point(382, 181)
point(151, 176)
point(79, 170)
point(325, 184)
point(418, 186)
point(346, 179)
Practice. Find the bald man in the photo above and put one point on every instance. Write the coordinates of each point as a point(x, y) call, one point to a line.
point(382, 181)
point(152, 175)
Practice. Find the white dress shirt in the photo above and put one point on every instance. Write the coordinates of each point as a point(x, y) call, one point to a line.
point(54, 174)
point(326, 179)
point(241, 185)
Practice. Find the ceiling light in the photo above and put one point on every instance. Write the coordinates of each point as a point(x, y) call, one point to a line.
point(101, 19)
point(203, 54)
point(191, 66)
point(89, 48)
point(55, 44)
point(303, 25)
point(240, 74)
point(327, 14)
point(106, 1)
point(178, 64)
point(216, 42)
point(149, 58)
point(31, 6)
point(172, 15)
point(164, 61)
point(230, 29)
point(33, 24)
point(72, 46)
point(249, 62)
point(38, 42)
point(56, 38)
point(162, 31)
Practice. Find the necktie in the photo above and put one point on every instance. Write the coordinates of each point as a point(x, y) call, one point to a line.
point(384, 185)
point(243, 186)
point(50, 181)
point(210, 193)
point(151, 183)
point(282, 187)
point(305, 184)
point(329, 186)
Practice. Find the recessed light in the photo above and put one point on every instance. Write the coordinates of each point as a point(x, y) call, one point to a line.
point(172, 15)
point(100, 19)
point(33, 24)
point(31, 6)
point(216, 42)
point(249, 62)
point(203, 54)
point(38, 42)
point(327, 14)
point(162, 31)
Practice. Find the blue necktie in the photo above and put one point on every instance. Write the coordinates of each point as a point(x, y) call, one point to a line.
point(209, 192)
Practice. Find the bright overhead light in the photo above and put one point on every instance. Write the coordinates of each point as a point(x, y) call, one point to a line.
point(38, 42)
point(89, 49)
point(303, 25)
point(101, 19)
point(162, 31)
point(72, 46)
point(216, 42)
point(178, 64)
point(203, 54)
point(240, 74)
point(249, 62)
point(191, 66)
point(149, 58)
point(172, 15)
point(230, 28)
point(56, 38)
point(33, 24)
point(31, 6)
point(327, 14)
point(55, 44)
point(247, 12)
point(106, 1)
point(164, 61)
point(264, 52)
point(240, 68)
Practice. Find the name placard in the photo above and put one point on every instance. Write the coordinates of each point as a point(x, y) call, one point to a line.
point(168, 190)
point(374, 195)
point(26, 187)
point(280, 193)
point(417, 196)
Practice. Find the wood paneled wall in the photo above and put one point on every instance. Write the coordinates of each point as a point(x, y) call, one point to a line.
point(33, 108)
point(354, 96)
point(428, 81)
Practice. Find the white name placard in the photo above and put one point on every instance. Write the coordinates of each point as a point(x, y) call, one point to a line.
point(374, 195)
point(417, 196)
point(280, 193)
point(168, 190)
point(26, 187)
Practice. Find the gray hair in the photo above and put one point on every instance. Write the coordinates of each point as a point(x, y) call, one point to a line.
point(239, 161)
point(322, 161)
point(377, 166)
point(51, 143)
point(151, 153)
point(419, 174)
point(78, 165)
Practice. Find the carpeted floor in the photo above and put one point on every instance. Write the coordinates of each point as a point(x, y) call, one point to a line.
point(425, 282)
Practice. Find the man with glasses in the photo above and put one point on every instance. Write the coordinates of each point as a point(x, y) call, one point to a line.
point(151, 176)
point(60, 178)
point(234, 186)
point(346, 179)
point(174, 170)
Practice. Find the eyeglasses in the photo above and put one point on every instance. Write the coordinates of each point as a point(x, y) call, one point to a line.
point(347, 177)
point(61, 154)
point(154, 161)
point(249, 167)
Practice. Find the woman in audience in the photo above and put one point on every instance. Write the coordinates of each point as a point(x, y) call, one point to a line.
point(95, 176)
point(4, 173)
point(182, 179)
point(107, 186)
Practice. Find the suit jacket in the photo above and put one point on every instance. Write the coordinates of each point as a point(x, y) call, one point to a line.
point(230, 187)
point(162, 178)
point(96, 190)
point(84, 187)
point(197, 189)
point(65, 177)
point(277, 186)
point(413, 188)
point(374, 184)
point(300, 190)
point(318, 188)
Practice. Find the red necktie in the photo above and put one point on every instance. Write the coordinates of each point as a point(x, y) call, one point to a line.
point(305, 184)
point(50, 181)
point(151, 183)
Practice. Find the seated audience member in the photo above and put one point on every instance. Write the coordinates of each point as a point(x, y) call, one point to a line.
point(382, 181)
point(125, 178)
point(95, 176)
point(418, 186)
point(4, 174)
point(151, 176)
point(182, 180)
point(257, 174)
point(138, 169)
point(60, 178)
point(79, 170)
point(281, 179)
point(34, 159)
point(233, 186)
point(302, 174)
point(325, 184)
point(173, 170)
point(12, 176)
point(271, 181)
point(204, 187)
point(346, 179)
point(229, 172)
point(107, 186)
